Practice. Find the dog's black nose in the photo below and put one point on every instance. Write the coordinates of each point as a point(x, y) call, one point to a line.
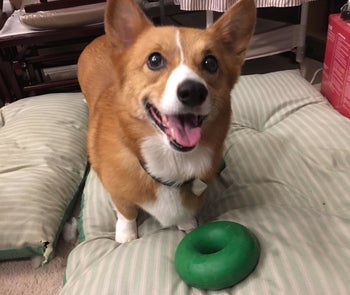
point(192, 93)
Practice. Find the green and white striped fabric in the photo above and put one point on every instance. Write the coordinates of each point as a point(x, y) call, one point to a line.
point(287, 178)
point(42, 163)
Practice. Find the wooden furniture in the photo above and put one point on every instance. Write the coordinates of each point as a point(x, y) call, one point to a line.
point(23, 57)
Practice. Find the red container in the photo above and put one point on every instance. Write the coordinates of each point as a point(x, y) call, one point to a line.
point(336, 67)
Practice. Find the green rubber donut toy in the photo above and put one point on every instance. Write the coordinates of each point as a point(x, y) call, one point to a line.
point(217, 255)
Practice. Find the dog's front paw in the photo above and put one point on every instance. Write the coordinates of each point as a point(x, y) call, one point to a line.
point(123, 237)
point(125, 231)
point(187, 225)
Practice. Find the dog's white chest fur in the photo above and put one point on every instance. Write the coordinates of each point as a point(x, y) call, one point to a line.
point(163, 162)
point(168, 208)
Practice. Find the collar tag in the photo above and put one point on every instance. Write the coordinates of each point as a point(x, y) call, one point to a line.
point(198, 186)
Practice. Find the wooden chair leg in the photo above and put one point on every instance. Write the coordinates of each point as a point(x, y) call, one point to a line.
point(10, 80)
point(4, 93)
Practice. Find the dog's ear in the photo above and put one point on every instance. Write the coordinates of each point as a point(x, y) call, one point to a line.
point(124, 21)
point(235, 27)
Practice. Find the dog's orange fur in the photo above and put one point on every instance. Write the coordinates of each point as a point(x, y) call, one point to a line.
point(114, 78)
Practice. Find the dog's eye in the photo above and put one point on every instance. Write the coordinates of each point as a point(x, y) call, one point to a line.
point(210, 64)
point(155, 61)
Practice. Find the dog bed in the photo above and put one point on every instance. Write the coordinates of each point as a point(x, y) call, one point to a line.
point(287, 179)
point(42, 163)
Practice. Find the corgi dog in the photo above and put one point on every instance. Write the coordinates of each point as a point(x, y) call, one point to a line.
point(159, 109)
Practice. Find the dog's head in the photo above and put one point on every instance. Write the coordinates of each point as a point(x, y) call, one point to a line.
point(179, 79)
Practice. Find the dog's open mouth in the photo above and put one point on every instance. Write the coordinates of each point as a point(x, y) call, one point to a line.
point(183, 130)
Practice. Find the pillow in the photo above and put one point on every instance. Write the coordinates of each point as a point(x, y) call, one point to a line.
point(287, 178)
point(42, 162)
point(66, 17)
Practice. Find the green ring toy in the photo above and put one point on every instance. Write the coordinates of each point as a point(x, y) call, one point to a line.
point(217, 255)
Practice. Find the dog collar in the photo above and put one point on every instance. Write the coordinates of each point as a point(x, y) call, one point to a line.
point(197, 185)
point(166, 183)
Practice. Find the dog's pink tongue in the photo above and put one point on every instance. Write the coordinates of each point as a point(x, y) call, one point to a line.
point(184, 131)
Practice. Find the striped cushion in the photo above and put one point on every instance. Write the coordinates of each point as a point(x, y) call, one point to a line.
point(287, 179)
point(223, 5)
point(42, 162)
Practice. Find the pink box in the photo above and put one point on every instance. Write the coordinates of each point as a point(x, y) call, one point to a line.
point(336, 67)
